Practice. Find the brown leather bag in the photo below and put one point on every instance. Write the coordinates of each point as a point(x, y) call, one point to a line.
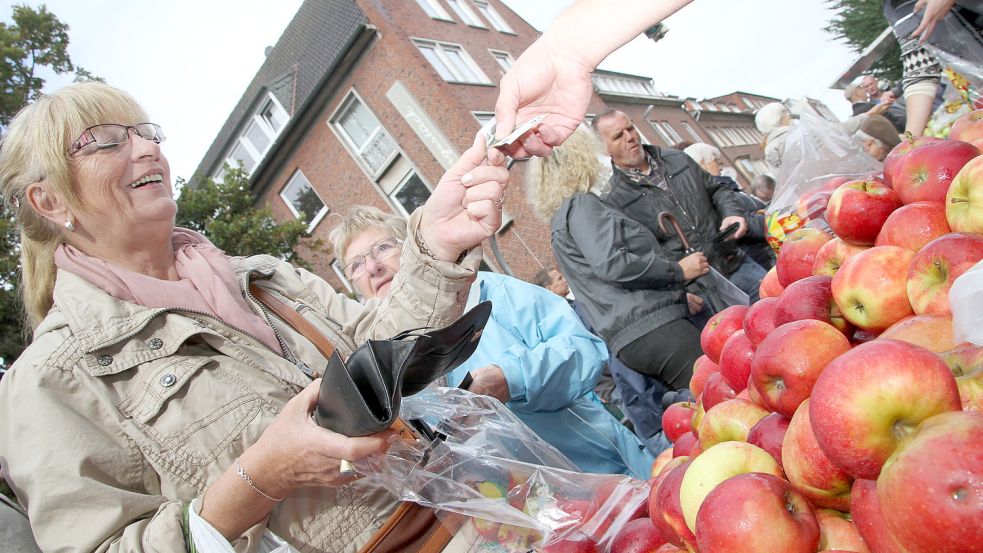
point(411, 528)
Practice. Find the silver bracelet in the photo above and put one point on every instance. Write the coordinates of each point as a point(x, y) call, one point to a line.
point(245, 477)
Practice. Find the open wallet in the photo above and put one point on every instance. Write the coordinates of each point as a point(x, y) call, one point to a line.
point(361, 395)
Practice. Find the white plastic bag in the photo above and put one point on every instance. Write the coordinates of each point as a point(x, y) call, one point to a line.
point(209, 540)
point(966, 302)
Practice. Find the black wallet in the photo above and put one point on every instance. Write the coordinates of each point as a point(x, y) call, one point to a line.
point(362, 395)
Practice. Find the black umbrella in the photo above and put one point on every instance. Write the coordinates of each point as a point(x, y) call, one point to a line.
point(718, 292)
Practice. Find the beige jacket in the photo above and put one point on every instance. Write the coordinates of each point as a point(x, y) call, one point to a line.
point(118, 415)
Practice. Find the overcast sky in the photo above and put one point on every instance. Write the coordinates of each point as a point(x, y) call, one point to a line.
point(188, 62)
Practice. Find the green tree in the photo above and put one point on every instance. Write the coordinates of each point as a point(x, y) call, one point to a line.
point(858, 23)
point(226, 213)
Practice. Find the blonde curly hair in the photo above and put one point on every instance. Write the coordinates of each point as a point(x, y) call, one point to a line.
point(571, 169)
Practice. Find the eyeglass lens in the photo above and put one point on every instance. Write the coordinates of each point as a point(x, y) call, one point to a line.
point(111, 134)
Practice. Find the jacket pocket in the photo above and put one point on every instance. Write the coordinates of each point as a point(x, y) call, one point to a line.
point(186, 409)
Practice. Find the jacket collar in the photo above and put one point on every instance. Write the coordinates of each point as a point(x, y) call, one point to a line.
point(97, 319)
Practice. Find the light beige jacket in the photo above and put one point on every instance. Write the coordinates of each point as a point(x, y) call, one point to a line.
point(117, 415)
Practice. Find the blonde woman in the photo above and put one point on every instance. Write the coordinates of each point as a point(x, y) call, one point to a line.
point(157, 388)
point(629, 290)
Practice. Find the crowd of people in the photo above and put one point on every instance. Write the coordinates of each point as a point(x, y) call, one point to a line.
point(158, 390)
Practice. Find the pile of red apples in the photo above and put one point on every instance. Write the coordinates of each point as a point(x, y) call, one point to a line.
point(839, 413)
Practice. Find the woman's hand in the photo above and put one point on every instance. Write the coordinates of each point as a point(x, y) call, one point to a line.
point(694, 265)
point(694, 302)
point(490, 381)
point(935, 11)
point(466, 206)
point(543, 81)
point(294, 452)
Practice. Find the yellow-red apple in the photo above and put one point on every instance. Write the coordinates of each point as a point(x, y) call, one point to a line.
point(677, 420)
point(933, 270)
point(728, 421)
point(964, 201)
point(702, 369)
point(897, 154)
point(969, 128)
point(870, 288)
point(914, 225)
point(769, 433)
point(926, 173)
point(838, 533)
point(719, 328)
point(759, 320)
point(832, 255)
point(798, 253)
point(865, 509)
point(932, 332)
point(811, 298)
point(859, 208)
point(735, 360)
point(770, 287)
point(809, 469)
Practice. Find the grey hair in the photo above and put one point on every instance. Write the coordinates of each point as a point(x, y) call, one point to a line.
point(770, 117)
point(702, 153)
point(359, 219)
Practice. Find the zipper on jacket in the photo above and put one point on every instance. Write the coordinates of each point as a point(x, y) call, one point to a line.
point(287, 353)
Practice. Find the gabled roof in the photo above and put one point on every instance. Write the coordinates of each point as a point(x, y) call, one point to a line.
point(314, 41)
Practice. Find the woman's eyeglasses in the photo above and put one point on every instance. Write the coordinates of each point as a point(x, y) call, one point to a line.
point(381, 250)
point(110, 135)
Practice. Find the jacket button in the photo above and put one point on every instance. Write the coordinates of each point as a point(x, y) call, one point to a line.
point(156, 343)
point(168, 380)
point(104, 360)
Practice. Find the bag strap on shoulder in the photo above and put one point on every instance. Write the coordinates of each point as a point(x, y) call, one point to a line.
point(294, 319)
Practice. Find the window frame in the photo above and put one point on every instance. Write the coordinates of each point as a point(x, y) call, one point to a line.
point(256, 120)
point(439, 48)
point(436, 6)
point(465, 13)
point(401, 184)
point(500, 56)
point(334, 122)
point(497, 21)
point(315, 218)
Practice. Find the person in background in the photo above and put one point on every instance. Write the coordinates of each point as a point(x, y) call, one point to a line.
point(753, 243)
point(775, 122)
point(763, 188)
point(630, 290)
point(648, 180)
point(553, 76)
point(156, 387)
point(535, 356)
point(631, 393)
point(878, 136)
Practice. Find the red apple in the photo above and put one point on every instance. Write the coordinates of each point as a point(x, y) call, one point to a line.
point(867, 399)
point(870, 288)
point(677, 420)
point(926, 173)
point(735, 360)
point(576, 543)
point(728, 421)
point(966, 363)
point(669, 548)
point(759, 320)
point(798, 253)
point(790, 360)
point(969, 128)
point(769, 433)
point(931, 489)
point(715, 392)
point(702, 369)
point(862, 336)
point(698, 413)
point(914, 225)
point(770, 287)
point(687, 445)
point(812, 206)
point(866, 512)
point(838, 533)
point(756, 512)
point(661, 460)
point(638, 536)
point(897, 154)
point(832, 255)
point(664, 503)
point(811, 298)
point(936, 267)
point(835, 182)
point(858, 209)
point(964, 201)
point(719, 328)
point(809, 469)
point(715, 465)
point(932, 332)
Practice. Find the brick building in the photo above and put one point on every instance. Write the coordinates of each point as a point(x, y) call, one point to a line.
point(369, 102)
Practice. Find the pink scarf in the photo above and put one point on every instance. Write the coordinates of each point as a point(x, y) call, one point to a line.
point(207, 283)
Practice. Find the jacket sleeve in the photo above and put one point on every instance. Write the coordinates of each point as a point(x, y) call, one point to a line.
point(86, 487)
point(754, 213)
point(725, 200)
point(618, 249)
point(552, 359)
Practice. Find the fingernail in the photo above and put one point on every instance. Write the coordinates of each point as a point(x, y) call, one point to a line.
point(467, 178)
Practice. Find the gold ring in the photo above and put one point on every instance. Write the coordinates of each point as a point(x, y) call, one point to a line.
point(500, 201)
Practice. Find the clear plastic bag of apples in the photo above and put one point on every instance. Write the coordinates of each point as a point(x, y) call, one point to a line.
point(516, 492)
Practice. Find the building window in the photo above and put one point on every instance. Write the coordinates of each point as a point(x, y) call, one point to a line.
point(411, 193)
point(434, 9)
point(452, 63)
point(364, 135)
point(483, 117)
point(303, 200)
point(504, 60)
point(261, 130)
point(666, 132)
point(465, 12)
point(625, 85)
point(491, 15)
point(692, 132)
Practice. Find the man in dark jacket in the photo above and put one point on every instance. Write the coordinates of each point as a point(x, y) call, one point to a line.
point(648, 180)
